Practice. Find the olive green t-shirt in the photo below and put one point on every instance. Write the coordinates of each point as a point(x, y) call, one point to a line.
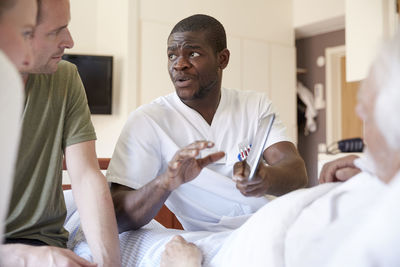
point(56, 115)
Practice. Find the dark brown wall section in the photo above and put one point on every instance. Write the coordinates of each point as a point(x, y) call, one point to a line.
point(308, 50)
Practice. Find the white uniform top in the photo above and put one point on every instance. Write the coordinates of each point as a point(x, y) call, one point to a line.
point(154, 133)
point(11, 103)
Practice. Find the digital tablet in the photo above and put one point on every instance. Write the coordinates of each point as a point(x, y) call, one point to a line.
point(258, 148)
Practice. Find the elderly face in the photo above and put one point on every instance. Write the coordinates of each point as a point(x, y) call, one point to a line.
point(16, 29)
point(376, 144)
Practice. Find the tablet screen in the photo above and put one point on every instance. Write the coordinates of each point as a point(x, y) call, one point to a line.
point(258, 148)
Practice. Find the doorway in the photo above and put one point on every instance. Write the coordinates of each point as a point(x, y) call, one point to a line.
point(352, 125)
point(341, 99)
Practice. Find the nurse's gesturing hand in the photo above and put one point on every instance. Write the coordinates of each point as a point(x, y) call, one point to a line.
point(185, 165)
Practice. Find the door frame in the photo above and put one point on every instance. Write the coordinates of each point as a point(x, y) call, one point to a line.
point(333, 95)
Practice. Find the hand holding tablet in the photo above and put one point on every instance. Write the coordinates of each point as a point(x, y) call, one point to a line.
point(258, 148)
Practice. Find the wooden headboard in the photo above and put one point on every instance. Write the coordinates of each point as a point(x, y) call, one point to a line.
point(164, 216)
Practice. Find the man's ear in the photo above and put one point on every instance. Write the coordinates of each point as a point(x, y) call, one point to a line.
point(223, 58)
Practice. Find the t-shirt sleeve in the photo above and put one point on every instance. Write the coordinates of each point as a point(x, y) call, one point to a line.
point(137, 156)
point(78, 127)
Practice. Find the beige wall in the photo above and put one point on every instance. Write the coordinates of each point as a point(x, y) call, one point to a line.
point(306, 12)
point(381, 20)
point(104, 28)
point(260, 37)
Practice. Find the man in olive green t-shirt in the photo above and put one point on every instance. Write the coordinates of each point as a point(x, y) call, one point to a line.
point(56, 123)
point(54, 117)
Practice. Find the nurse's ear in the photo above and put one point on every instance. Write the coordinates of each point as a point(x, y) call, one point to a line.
point(223, 58)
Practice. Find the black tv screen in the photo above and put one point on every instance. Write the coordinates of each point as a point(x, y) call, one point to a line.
point(96, 75)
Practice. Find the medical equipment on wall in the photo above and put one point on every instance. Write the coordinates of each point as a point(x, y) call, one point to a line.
point(346, 146)
point(311, 112)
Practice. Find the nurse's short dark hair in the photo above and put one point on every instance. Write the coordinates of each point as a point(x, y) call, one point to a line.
point(214, 30)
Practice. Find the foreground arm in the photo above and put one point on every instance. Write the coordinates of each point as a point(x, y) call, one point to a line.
point(135, 208)
point(30, 256)
point(179, 253)
point(93, 199)
point(285, 172)
point(340, 169)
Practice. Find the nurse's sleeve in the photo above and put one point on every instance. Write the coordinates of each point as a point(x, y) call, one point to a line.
point(137, 156)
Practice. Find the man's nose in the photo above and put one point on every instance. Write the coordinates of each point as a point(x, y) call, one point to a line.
point(67, 41)
point(28, 59)
point(181, 63)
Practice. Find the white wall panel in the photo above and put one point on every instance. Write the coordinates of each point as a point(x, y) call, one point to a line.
point(306, 12)
point(251, 19)
point(232, 76)
point(154, 77)
point(283, 94)
point(255, 67)
point(367, 24)
point(83, 25)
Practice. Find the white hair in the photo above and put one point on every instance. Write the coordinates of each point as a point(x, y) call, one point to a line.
point(387, 78)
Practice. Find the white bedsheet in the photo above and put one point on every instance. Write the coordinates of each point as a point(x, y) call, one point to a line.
point(377, 241)
point(141, 247)
point(289, 230)
point(298, 229)
point(134, 244)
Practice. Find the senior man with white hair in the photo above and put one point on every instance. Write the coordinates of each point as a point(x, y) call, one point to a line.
point(355, 223)
point(377, 239)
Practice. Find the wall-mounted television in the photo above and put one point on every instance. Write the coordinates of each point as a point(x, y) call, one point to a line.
point(96, 73)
